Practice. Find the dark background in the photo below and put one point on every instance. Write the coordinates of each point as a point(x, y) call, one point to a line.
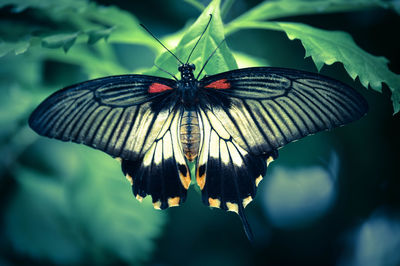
point(348, 210)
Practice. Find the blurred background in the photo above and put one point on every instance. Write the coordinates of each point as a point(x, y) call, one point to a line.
point(330, 199)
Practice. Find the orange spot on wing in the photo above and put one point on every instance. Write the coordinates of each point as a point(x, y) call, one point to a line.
point(201, 176)
point(158, 87)
point(184, 176)
point(201, 181)
point(172, 202)
point(216, 203)
point(219, 84)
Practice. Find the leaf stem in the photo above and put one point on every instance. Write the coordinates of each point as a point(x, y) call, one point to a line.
point(195, 4)
point(225, 7)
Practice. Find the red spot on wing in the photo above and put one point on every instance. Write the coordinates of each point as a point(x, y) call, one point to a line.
point(158, 87)
point(219, 84)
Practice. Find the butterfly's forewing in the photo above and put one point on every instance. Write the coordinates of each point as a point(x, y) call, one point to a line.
point(132, 117)
point(118, 115)
point(247, 114)
point(265, 108)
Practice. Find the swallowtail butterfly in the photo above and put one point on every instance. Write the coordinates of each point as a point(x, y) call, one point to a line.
point(230, 124)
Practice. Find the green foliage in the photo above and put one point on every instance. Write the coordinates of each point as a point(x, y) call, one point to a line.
point(72, 199)
point(221, 61)
point(87, 213)
point(196, 4)
point(16, 48)
point(59, 5)
point(77, 21)
point(60, 40)
point(286, 8)
point(326, 47)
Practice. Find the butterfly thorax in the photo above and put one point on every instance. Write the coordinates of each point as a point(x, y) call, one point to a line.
point(188, 85)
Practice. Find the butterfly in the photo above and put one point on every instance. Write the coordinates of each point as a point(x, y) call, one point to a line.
point(230, 125)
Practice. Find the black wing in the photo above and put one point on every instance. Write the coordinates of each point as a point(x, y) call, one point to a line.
point(132, 117)
point(264, 108)
point(247, 114)
point(115, 114)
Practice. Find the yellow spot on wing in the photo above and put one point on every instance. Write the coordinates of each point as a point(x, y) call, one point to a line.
point(258, 180)
point(201, 180)
point(185, 179)
point(129, 178)
point(233, 207)
point(157, 205)
point(246, 201)
point(119, 159)
point(172, 202)
point(270, 159)
point(216, 203)
point(139, 198)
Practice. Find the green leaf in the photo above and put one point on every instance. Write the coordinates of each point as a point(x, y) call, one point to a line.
point(16, 48)
point(396, 100)
point(246, 60)
point(96, 62)
point(107, 209)
point(328, 47)
point(91, 21)
point(286, 8)
point(96, 35)
point(83, 213)
point(125, 27)
point(222, 60)
point(19, 77)
point(55, 5)
point(226, 6)
point(39, 214)
point(64, 40)
point(199, 6)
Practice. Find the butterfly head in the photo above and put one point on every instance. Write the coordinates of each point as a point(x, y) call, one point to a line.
point(187, 72)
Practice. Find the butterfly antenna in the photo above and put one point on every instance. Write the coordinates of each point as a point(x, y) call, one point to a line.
point(198, 40)
point(161, 43)
point(165, 71)
point(246, 224)
point(208, 59)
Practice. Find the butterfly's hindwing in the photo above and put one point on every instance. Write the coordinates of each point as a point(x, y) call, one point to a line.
point(162, 172)
point(265, 108)
point(227, 174)
point(119, 115)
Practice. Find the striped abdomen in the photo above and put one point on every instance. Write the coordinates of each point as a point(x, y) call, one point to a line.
point(190, 134)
